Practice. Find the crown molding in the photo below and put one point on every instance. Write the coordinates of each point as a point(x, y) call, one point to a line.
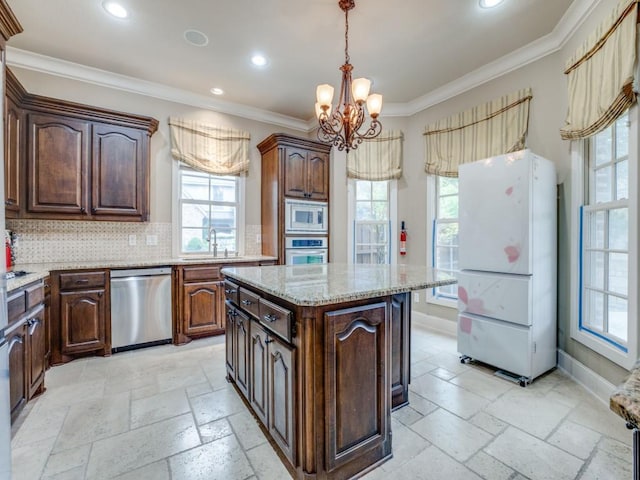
point(575, 15)
point(74, 71)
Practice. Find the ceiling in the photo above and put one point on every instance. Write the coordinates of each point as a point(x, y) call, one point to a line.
point(409, 49)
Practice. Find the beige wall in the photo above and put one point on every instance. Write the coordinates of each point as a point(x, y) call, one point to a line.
point(547, 112)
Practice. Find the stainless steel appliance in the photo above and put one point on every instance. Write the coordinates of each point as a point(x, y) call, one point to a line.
point(306, 250)
point(140, 307)
point(303, 216)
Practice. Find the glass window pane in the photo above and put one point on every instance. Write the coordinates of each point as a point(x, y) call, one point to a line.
point(194, 240)
point(594, 303)
point(195, 215)
point(379, 190)
point(596, 224)
point(619, 273)
point(363, 190)
point(622, 180)
point(602, 185)
point(603, 151)
point(618, 317)
point(194, 187)
point(223, 189)
point(448, 207)
point(223, 218)
point(619, 229)
point(448, 290)
point(622, 136)
point(447, 234)
point(594, 271)
point(380, 210)
point(447, 258)
point(447, 186)
point(364, 211)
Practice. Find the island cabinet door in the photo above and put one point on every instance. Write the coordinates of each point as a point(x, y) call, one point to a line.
point(258, 371)
point(229, 341)
point(400, 346)
point(281, 396)
point(357, 383)
point(242, 339)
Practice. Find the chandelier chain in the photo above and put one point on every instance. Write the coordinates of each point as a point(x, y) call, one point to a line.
point(346, 37)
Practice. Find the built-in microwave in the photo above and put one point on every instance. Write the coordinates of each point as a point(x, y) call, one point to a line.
point(305, 217)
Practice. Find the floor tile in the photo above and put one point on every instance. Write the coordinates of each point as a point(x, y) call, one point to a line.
point(433, 464)
point(154, 471)
point(449, 396)
point(266, 463)
point(28, 462)
point(451, 434)
point(406, 445)
point(575, 439)
point(617, 449)
point(488, 423)
point(604, 466)
point(223, 459)
point(489, 387)
point(67, 460)
point(42, 422)
point(532, 457)
point(158, 407)
point(596, 416)
point(247, 430)
point(130, 450)
point(214, 430)
point(215, 405)
point(488, 467)
point(421, 404)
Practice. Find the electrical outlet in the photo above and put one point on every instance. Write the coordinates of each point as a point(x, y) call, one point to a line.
point(152, 240)
point(416, 297)
point(258, 238)
point(132, 240)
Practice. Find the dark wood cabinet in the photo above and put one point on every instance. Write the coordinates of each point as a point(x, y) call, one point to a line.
point(199, 302)
point(400, 349)
point(258, 372)
point(292, 167)
point(47, 321)
point(80, 162)
point(36, 338)
point(17, 342)
point(80, 315)
point(237, 340)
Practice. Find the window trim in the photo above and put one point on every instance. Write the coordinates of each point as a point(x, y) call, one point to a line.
point(176, 223)
point(393, 219)
point(432, 191)
point(579, 179)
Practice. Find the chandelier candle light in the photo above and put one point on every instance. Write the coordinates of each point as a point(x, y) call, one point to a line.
point(342, 126)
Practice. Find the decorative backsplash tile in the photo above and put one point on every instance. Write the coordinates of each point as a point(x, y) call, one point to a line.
point(43, 241)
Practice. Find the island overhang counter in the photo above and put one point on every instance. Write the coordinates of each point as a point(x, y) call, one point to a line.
point(321, 355)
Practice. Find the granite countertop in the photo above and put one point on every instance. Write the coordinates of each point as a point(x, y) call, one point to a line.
point(38, 271)
point(625, 400)
point(312, 285)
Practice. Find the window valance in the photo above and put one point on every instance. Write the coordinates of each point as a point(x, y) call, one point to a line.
point(209, 148)
point(493, 128)
point(377, 159)
point(600, 74)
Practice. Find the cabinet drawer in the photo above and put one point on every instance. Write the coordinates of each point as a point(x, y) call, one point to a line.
point(276, 319)
point(231, 291)
point(71, 281)
point(205, 272)
point(34, 295)
point(16, 305)
point(250, 302)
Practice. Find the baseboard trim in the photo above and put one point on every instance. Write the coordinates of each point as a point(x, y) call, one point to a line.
point(594, 383)
point(435, 323)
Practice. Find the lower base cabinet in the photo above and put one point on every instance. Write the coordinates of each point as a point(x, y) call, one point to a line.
point(17, 341)
point(36, 346)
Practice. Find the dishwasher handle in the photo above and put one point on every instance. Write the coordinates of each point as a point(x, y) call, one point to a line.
point(141, 272)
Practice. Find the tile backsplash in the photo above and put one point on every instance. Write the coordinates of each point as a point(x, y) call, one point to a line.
point(43, 241)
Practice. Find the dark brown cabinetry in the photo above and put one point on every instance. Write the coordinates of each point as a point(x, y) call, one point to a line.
point(47, 321)
point(292, 167)
point(199, 309)
point(26, 337)
point(237, 340)
point(81, 322)
point(79, 162)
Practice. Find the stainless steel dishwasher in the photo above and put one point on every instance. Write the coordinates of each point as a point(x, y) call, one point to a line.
point(140, 307)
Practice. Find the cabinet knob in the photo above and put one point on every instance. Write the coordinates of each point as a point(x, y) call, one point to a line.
point(247, 302)
point(268, 340)
point(8, 202)
point(83, 210)
point(229, 291)
point(270, 318)
point(93, 210)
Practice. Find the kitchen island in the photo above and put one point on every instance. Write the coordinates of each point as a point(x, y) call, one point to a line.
point(321, 355)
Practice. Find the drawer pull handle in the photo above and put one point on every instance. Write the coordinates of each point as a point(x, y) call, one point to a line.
point(268, 340)
point(82, 281)
point(270, 318)
point(247, 302)
point(229, 291)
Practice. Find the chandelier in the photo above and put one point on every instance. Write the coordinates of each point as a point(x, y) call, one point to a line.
point(341, 127)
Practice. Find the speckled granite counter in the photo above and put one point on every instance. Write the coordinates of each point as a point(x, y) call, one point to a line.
point(37, 271)
point(625, 400)
point(314, 285)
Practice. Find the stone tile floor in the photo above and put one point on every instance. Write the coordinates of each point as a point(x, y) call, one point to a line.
point(168, 413)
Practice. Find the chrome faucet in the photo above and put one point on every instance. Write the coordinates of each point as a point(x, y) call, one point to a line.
point(215, 241)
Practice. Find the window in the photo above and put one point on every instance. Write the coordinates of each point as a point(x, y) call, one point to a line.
point(371, 214)
point(209, 212)
point(607, 243)
point(444, 234)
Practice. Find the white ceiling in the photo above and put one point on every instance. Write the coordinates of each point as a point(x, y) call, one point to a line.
point(410, 49)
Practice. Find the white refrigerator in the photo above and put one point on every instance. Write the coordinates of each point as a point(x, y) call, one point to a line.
point(507, 261)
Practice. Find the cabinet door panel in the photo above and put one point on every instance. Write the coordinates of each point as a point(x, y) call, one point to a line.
point(57, 164)
point(83, 319)
point(242, 342)
point(203, 308)
point(281, 397)
point(12, 165)
point(229, 341)
point(357, 390)
point(318, 176)
point(295, 173)
point(118, 171)
point(258, 357)
point(17, 370)
point(36, 334)
point(400, 349)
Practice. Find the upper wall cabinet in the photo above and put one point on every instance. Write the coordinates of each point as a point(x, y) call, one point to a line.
point(78, 162)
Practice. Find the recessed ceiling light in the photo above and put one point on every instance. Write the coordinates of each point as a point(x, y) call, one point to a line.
point(217, 91)
point(115, 9)
point(259, 60)
point(490, 3)
point(196, 37)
